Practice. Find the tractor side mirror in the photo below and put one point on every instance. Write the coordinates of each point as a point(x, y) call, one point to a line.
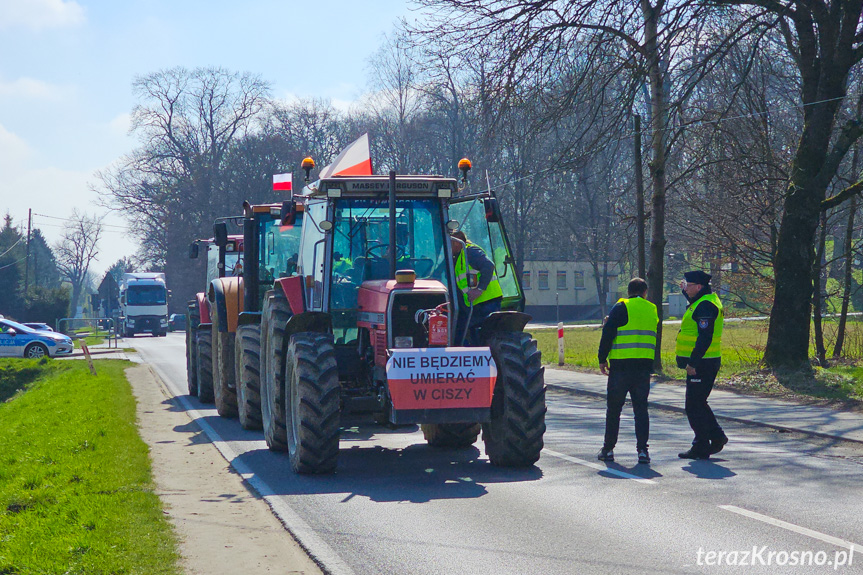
point(193, 251)
point(492, 210)
point(289, 212)
point(220, 234)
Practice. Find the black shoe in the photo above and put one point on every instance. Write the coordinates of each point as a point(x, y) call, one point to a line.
point(693, 453)
point(643, 456)
point(716, 445)
point(605, 455)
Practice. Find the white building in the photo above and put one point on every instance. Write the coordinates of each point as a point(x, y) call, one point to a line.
point(564, 287)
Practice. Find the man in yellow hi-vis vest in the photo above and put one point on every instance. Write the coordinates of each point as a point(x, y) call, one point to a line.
point(629, 343)
point(480, 293)
point(699, 353)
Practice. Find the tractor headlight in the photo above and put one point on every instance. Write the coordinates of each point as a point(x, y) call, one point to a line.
point(404, 341)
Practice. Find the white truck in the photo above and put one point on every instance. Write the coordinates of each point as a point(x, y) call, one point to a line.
point(144, 304)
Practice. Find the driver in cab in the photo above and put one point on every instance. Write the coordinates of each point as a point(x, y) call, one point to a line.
point(477, 281)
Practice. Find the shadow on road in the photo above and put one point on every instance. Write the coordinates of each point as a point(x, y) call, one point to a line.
point(708, 469)
point(416, 473)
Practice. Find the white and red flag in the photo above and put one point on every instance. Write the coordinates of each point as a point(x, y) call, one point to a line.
point(355, 160)
point(282, 182)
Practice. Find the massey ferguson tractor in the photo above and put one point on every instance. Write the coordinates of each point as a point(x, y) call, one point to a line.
point(368, 325)
point(221, 260)
point(271, 237)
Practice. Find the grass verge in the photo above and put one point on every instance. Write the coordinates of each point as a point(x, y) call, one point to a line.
point(742, 350)
point(76, 493)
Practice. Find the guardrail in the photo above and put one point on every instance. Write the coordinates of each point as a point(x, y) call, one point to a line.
point(112, 331)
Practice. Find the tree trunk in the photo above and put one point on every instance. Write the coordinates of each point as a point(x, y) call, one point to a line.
point(658, 107)
point(849, 261)
point(817, 300)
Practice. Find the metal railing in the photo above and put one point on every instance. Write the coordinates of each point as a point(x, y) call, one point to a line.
point(112, 330)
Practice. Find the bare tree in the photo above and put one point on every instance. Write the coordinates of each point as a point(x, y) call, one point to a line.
point(77, 249)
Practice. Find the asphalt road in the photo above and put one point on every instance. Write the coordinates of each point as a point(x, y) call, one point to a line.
point(398, 507)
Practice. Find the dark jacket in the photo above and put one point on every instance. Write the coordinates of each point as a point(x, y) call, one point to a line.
point(705, 316)
point(617, 318)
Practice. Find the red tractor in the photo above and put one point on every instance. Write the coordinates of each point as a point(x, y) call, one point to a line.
point(225, 259)
point(368, 326)
point(271, 237)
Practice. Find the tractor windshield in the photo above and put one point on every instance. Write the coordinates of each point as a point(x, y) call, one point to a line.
point(279, 246)
point(361, 250)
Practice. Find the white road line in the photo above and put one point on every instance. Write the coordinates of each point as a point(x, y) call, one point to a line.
point(597, 466)
point(308, 538)
point(792, 527)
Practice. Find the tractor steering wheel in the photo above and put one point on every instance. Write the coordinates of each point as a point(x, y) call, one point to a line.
point(400, 251)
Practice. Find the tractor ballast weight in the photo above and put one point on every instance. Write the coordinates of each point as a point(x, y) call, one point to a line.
point(362, 327)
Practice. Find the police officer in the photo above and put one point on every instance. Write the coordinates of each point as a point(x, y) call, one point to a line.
point(699, 353)
point(629, 343)
point(486, 295)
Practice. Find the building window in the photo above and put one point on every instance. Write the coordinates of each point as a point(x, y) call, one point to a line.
point(543, 279)
point(561, 280)
point(525, 280)
point(578, 280)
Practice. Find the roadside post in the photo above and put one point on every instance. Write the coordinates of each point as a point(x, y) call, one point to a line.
point(560, 343)
point(86, 351)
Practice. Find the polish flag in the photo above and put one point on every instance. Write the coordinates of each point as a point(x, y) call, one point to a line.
point(355, 160)
point(282, 182)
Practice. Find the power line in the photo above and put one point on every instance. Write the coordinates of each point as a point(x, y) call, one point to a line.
point(72, 220)
point(12, 264)
point(12, 248)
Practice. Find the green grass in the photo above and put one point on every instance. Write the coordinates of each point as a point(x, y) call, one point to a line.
point(742, 350)
point(76, 494)
point(742, 347)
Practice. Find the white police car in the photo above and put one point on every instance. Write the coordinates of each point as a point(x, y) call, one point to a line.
point(17, 340)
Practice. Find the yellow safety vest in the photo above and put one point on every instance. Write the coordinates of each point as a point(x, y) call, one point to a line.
point(462, 271)
point(688, 334)
point(637, 338)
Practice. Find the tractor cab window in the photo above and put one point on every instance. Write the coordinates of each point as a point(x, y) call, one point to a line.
point(212, 262)
point(279, 248)
point(491, 237)
point(361, 250)
point(311, 253)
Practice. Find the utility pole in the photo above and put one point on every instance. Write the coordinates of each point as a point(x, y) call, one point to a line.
point(639, 198)
point(27, 260)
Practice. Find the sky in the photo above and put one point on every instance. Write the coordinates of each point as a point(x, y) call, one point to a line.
point(67, 67)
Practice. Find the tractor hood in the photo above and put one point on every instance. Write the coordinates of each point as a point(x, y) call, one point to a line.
point(374, 294)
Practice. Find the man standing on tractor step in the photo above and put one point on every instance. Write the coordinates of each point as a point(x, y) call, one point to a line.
point(629, 343)
point(699, 353)
point(477, 282)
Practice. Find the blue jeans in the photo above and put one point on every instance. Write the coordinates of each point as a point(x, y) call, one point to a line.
point(480, 312)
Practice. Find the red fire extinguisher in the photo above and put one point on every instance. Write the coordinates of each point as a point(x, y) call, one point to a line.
point(438, 325)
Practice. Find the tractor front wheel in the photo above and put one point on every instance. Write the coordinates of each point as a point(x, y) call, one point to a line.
point(192, 353)
point(312, 380)
point(513, 437)
point(247, 363)
point(224, 388)
point(205, 366)
point(273, 349)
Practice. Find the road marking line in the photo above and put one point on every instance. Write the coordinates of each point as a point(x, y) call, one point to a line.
point(597, 466)
point(308, 538)
point(792, 527)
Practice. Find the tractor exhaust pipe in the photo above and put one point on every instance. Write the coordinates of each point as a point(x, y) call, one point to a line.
point(392, 249)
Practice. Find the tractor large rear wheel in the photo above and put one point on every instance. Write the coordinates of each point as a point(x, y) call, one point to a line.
point(247, 363)
point(224, 388)
point(205, 365)
point(513, 437)
point(451, 434)
point(312, 379)
point(273, 349)
point(192, 353)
